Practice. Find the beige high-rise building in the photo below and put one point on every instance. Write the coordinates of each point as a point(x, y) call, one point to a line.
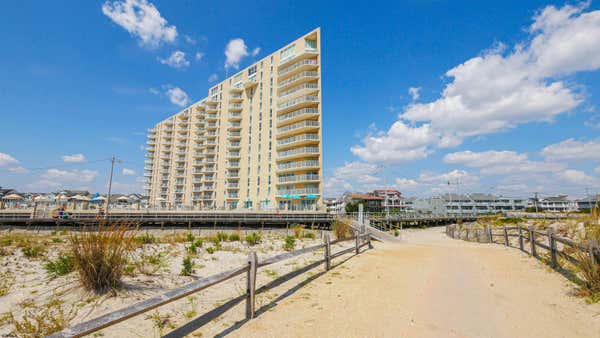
point(254, 143)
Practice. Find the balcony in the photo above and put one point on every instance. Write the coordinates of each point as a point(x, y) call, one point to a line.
point(212, 117)
point(232, 196)
point(151, 149)
point(149, 155)
point(250, 82)
point(298, 152)
point(232, 174)
point(298, 178)
point(235, 107)
point(151, 142)
point(236, 89)
point(232, 154)
point(232, 186)
point(234, 126)
point(235, 116)
point(301, 139)
point(298, 115)
point(309, 125)
point(300, 102)
point(211, 126)
point(298, 165)
point(234, 145)
point(233, 164)
point(302, 191)
point(236, 97)
point(295, 68)
point(298, 78)
point(305, 88)
point(234, 135)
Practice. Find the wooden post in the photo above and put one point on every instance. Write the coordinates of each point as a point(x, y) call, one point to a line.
point(490, 234)
point(467, 234)
point(505, 236)
point(327, 252)
point(532, 241)
point(520, 237)
point(369, 240)
point(552, 246)
point(356, 241)
point(251, 285)
point(592, 248)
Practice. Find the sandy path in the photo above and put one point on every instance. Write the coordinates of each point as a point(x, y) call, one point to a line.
point(432, 286)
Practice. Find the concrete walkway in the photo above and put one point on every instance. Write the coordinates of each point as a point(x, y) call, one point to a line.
point(432, 286)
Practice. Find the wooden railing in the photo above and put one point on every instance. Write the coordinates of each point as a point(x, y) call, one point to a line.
point(109, 319)
point(534, 242)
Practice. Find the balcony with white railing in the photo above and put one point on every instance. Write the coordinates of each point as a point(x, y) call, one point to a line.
point(233, 164)
point(211, 125)
point(236, 97)
point(234, 116)
point(308, 125)
point(297, 115)
point(299, 102)
point(298, 165)
point(212, 117)
point(299, 191)
point(234, 135)
point(289, 179)
point(234, 126)
point(304, 89)
point(297, 67)
point(235, 107)
point(297, 79)
point(298, 140)
point(234, 144)
point(232, 185)
point(298, 152)
point(250, 82)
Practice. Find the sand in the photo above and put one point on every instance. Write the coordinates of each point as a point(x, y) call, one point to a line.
point(432, 286)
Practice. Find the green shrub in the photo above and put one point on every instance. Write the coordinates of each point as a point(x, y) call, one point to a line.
point(192, 249)
point(32, 251)
point(234, 237)
point(221, 236)
point(210, 250)
point(188, 266)
point(341, 229)
point(253, 238)
point(190, 237)
point(7, 241)
point(101, 255)
point(63, 265)
point(396, 232)
point(145, 239)
point(310, 235)
point(290, 243)
point(129, 270)
point(199, 242)
point(56, 240)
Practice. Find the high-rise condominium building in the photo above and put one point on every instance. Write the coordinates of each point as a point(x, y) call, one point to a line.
point(253, 143)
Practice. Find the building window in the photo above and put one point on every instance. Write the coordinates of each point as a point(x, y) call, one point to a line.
point(311, 44)
point(251, 70)
point(288, 52)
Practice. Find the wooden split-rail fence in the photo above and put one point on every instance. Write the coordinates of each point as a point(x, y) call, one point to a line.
point(530, 240)
point(250, 269)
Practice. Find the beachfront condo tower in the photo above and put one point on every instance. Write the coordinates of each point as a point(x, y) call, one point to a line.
point(254, 143)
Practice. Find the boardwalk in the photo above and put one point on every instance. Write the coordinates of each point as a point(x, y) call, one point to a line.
point(432, 286)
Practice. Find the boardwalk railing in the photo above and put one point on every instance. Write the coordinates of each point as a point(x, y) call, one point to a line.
point(555, 245)
point(250, 269)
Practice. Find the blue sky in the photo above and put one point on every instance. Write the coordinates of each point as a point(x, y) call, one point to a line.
point(504, 96)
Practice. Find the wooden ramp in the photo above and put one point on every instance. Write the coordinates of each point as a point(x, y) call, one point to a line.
point(377, 234)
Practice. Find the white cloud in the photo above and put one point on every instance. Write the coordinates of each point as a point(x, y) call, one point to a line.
point(571, 149)
point(6, 159)
point(141, 19)
point(176, 60)
point(177, 96)
point(127, 171)
point(499, 90)
point(189, 39)
point(199, 56)
point(597, 170)
point(75, 158)
point(578, 177)
point(401, 143)
point(69, 176)
point(414, 92)
point(255, 51)
point(504, 162)
point(213, 78)
point(235, 51)
point(18, 170)
point(352, 176)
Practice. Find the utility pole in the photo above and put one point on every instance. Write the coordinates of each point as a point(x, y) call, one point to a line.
point(385, 192)
point(535, 201)
point(112, 169)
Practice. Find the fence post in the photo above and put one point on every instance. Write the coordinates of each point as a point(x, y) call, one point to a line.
point(356, 240)
point(467, 229)
point(505, 236)
point(532, 241)
point(369, 240)
point(327, 252)
point(491, 234)
point(552, 245)
point(592, 247)
point(251, 285)
point(520, 237)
